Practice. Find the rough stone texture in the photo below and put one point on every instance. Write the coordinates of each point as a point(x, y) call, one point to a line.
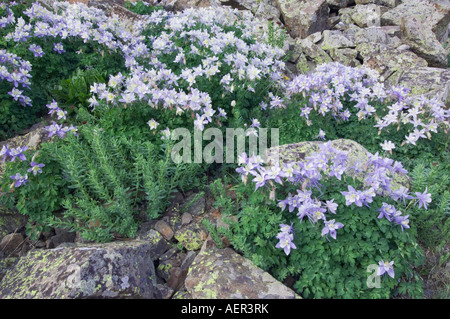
point(387, 3)
point(435, 14)
point(366, 15)
point(180, 5)
point(196, 208)
point(345, 56)
point(310, 52)
point(339, 3)
point(224, 274)
point(267, 10)
point(62, 236)
point(10, 221)
point(6, 264)
point(335, 39)
point(114, 270)
point(431, 82)
point(177, 277)
point(356, 153)
point(164, 229)
point(158, 244)
point(172, 258)
point(186, 218)
point(304, 17)
point(423, 42)
point(389, 62)
point(387, 35)
point(192, 236)
point(188, 260)
point(12, 243)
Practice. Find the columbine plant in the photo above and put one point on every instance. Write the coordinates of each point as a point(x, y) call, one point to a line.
point(329, 89)
point(192, 63)
point(376, 175)
point(35, 168)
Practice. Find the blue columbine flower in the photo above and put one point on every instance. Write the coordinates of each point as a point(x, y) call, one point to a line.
point(331, 227)
point(35, 168)
point(423, 198)
point(17, 152)
point(20, 179)
point(386, 267)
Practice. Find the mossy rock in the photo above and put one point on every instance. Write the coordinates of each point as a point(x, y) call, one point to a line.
point(192, 236)
point(10, 221)
point(356, 153)
point(224, 274)
point(113, 270)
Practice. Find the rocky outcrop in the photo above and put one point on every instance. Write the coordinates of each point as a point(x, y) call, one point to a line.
point(304, 17)
point(431, 82)
point(113, 270)
point(434, 14)
point(423, 42)
point(224, 274)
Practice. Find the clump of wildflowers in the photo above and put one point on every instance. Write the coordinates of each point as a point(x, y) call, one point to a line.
point(333, 83)
point(376, 175)
point(236, 62)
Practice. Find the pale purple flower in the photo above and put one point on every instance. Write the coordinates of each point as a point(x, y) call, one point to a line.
point(321, 134)
point(152, 124)
point(331, 206)
point(53, 129)
point(401, 193)
point(58, 48)
point(222, 113)
point(352, 196)
point(331, 227)
point(37, 50)
point(386, 211)
point(4, 152)
point(35, 168)
point(423, 198)
point(285, 242)
point(255, 123)
point(387, 146)
point(165, 134)
point(386, 267)
point(260, 180)
point(17, 152)
point(403, 221)
point(20, 179)
point(200, 122)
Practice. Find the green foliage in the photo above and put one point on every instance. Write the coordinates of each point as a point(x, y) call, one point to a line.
point(142, 8)
point(99, 184)
point(323, 267)
point(434, 223)
point(212, 230)
point(75, 91)
point(13, 116)
point(42, 196)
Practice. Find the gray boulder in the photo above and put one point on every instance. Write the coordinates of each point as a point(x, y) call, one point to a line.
point(224, 274)
point(431, 82)
point(435, 14)
point(304, 17)
point(423, 42)
point(113, 270)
